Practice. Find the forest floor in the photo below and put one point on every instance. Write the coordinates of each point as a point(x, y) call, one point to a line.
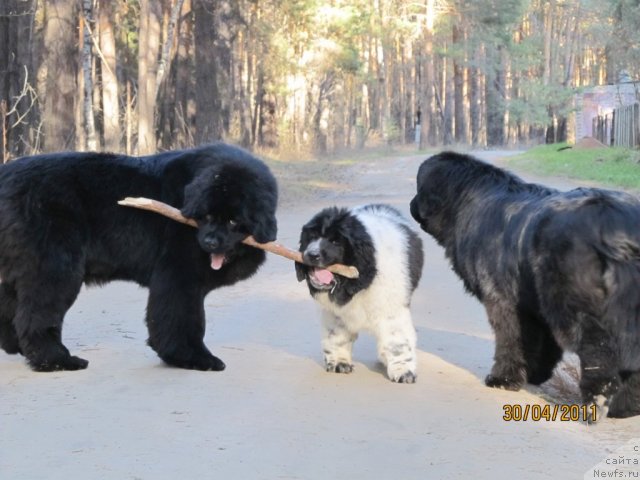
point(275, 413)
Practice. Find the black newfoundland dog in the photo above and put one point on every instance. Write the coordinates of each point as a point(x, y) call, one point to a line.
point(555, 271)
point(60, 226)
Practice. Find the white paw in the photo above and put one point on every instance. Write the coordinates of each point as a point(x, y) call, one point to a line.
point(340, 367)
point(405, 377)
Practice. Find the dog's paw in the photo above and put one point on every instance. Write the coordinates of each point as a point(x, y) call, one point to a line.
point(596, 409)
point(68, 362)
point(597, 395)
point(207, 363)
point(508, 383)
point(340, 367)
point(406, 377)
point(626, 403)
point(9, 340)
point(203, 361)
point(506, 376)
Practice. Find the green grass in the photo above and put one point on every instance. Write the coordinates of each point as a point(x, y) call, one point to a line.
point(611, 167)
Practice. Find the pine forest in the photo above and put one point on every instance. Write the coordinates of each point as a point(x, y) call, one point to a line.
point(302, 76)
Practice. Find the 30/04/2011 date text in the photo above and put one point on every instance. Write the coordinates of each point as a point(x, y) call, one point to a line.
point(549, 413)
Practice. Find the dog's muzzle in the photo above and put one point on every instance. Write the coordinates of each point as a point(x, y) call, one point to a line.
point(321, 278)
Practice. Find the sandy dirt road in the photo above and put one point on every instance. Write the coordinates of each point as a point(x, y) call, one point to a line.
point(274, 413)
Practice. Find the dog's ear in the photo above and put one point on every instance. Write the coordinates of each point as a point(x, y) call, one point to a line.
point(301, 272)
point(347, 231)
point(264, 228)
point(197, 194)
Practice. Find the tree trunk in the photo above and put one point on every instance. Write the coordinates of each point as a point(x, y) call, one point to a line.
point(87, 71)
point(549, 24)
point(447, 118)
point(110, 99)
point(458, 83)
point(61, 60)
point(208, 124)
point(148, 49)
point(243, 104)
point(427, 80)
point(475, 92)
point(320, 122)
point(494, 88)
point(165, 59)
point(16, 78)
point(268, 129)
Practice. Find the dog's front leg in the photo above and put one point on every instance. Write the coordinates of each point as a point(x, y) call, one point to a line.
point(397, 346)
point(509, 368)
point(337, 344)
point(176, 319)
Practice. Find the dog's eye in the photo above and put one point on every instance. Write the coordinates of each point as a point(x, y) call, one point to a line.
point(209, 218)
point(233, 223)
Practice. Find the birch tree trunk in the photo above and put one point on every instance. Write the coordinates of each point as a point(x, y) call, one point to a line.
point(110, 99)
point(87, 67)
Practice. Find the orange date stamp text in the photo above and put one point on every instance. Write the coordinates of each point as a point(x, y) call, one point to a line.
point(549, 413)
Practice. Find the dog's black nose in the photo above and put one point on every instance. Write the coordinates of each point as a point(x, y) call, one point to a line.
point(311, 257)
point(211, 242)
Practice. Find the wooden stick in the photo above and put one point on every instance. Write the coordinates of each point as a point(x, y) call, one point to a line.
point(272, 247)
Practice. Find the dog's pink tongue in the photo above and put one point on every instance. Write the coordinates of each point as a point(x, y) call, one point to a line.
point(217, 261)
point(323, 276)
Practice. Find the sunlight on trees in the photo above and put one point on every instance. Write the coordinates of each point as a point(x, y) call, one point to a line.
point(303, 76)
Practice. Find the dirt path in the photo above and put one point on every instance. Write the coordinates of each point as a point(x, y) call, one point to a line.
point(274, 413)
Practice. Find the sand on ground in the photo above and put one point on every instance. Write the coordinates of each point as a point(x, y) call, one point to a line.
point(275, 413)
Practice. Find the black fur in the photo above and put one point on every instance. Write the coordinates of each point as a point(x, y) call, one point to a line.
point(344, 240)
point(60, 227)
point(554, 270)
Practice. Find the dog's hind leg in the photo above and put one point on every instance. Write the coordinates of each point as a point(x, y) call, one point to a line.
point(509, 370)
point(8, 337)
point(41, 305)
point(337, 344)
point(541, 351)
point(600, 379)
point(626, 402)
point(47, 282)
point(397, 346)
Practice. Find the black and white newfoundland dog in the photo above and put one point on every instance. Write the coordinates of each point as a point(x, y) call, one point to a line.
point(555, 271)
point(379, 242)
point(60, 227)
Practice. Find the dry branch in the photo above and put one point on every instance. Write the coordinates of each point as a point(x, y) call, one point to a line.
point(272, 247)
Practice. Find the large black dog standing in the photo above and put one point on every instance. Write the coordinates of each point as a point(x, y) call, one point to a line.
point(555, 271)
point(60, 226)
